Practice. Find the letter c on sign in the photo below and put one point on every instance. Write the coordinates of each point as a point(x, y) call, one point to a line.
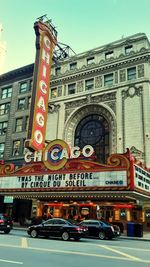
point(47, 42)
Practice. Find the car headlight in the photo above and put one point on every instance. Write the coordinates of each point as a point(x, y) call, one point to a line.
point(112, 228)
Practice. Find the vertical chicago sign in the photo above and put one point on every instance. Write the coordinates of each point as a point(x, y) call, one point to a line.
point(45, 43)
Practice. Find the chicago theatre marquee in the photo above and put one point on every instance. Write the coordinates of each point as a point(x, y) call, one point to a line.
point(87, 144)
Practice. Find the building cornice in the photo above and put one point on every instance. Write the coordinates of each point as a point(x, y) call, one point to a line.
point(101, 67)
point(17, 72)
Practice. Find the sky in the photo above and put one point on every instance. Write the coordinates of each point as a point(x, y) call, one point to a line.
point(81, 24)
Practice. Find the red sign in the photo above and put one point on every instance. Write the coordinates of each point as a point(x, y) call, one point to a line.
point(45, 43)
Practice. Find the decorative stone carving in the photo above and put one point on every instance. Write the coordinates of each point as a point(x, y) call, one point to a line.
point(101, 61)
point(53, 108)
point(143, 49)
point(80, 86)
point(59, 91)
point(112, 105)
point(93, 99)
point(121, 55)
point(122, 74)
point(89, 99)
point(138, 154)
point(65, 89)
point(98, 81)
point(77, 116)
point(140, 70)
point(131, 92)
point(116, 76)
point(108, 99)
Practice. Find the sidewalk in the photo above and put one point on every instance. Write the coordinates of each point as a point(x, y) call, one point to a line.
point(146, 235)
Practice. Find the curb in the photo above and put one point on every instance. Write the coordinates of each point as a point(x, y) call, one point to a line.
point(135, 238)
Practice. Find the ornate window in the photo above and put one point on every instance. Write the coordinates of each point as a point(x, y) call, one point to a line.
point(108, 79)
point(94, 130)
point(89, 84)
point(73, 65)
point(90, 60)
point(53, 92)
point(71, 88)
point(131, 73)
point(128, 49)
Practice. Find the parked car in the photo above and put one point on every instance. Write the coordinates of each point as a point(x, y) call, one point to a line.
point(6, 223)
point(101, 229)
point(58, 227)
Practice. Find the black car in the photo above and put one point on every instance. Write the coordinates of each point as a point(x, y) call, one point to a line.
point(6, 223)
point(102, 230)
point(57, 227)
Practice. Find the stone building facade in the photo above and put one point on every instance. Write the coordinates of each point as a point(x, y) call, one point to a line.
point(100, 97)
point(108, 85)
point(111, 81)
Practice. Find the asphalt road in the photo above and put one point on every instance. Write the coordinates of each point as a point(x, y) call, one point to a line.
point(18, 249)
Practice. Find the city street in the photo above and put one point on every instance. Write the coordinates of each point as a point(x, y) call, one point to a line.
point(17, 248)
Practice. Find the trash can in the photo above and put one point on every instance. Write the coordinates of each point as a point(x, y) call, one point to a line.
point(138, 230)
point(131, 229)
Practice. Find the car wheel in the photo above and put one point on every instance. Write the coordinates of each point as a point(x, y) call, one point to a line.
point(34, 233)
point(65, 236)
point(7, 231)
point(101, 235)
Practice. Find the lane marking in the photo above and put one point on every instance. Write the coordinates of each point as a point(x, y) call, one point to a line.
point(24, 243)
point(130, 248)
point(129, 258)
point(13, 262)
point(119, 252)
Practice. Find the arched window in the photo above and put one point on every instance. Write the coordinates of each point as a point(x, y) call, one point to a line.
point(94, 130)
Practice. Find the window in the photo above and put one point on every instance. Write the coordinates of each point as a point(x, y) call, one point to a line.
point(3, 127)
point(131, 73)
point(24, 147)
point(108, 79)
point(26, 123)
point(128, 49)
point(109, 54)
point(73, 65)
point(31, 85)
point(16, 148)
point(89, 84)
point(57, 71)
point(4, 108)
point(29, 102)
point(71, 88)
point(21, 103)
point(94, 130)
point(53, 92)
point(2, 147)
point(23, 87)
point(6, 92)
point(19, 123)
point(90, 60)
